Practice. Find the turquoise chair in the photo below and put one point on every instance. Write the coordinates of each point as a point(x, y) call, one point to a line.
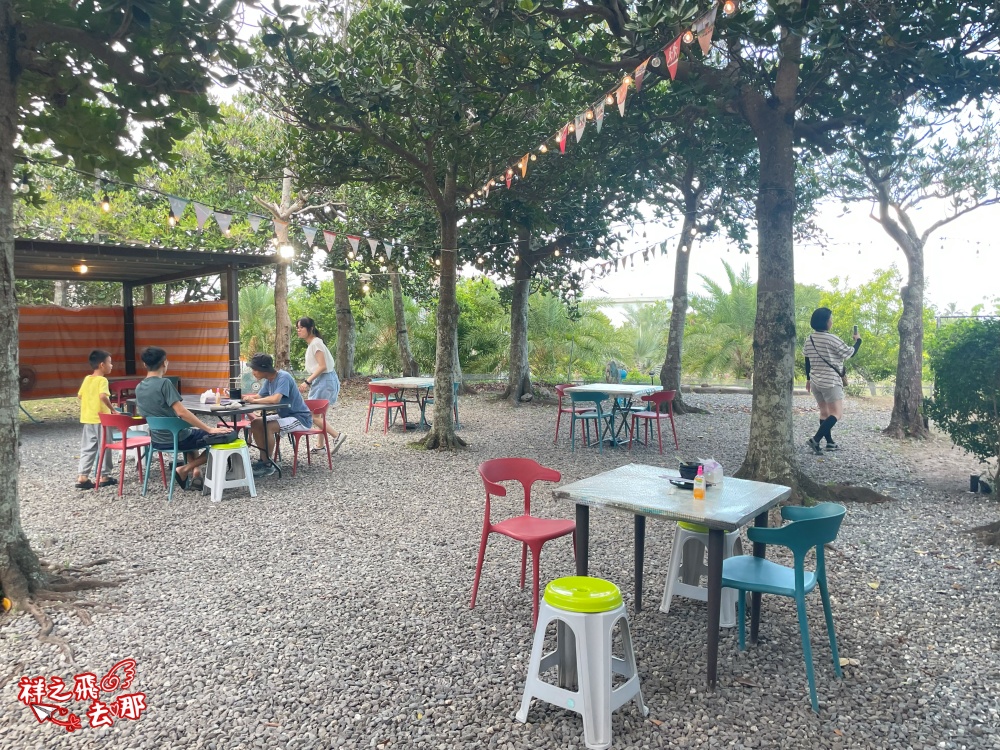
point(173, 425)
point(596, 414)
point(809, 528)
point(429, 399)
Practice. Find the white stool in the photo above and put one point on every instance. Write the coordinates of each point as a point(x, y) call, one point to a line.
point(588, 648)
point(686, 569)
point(241, 474)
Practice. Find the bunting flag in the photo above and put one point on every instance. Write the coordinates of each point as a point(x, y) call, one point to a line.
point(223, 219)
point(486, 188)
point(704, 27)
point(562, 139)
point(509, 177)
point(255, 220)
point(524, 164)
point(388, 250)
point(202, 212)
point(329, 237)
point(640, 72)
point(310, 233)
point(620, 96)
point(580, 123)
point(372, 244)
point(671, 56)
point(599, 115)
point(177, 206)
point(354, 242)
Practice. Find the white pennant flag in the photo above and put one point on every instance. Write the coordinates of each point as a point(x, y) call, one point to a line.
point(223, 219)
point(388, 251)
point(580, 123)
point(255, 220)
point(373, 244)
point(354, 242)
point(599, 115)
point(202, 212)
point(310, 233)
point(329, 237)
point(177, 206)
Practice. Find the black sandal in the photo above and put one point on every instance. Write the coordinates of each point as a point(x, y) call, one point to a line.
point(109, 482)
point(179, 480)
point(87, 485)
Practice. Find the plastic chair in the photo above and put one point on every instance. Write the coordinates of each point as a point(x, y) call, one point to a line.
point(387, 401)
point(810, 528)
point(532, 532)
point(654, 414)
point(589, 413)
point(560, 393)
point(120, 423)
point(173, 425)
point(318, 408)
point(591, 609)
point(429, 399)
point(123, 390)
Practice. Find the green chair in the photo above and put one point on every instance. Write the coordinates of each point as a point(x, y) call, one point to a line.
point(601, 420)
point(174, 425)
point(810, 528)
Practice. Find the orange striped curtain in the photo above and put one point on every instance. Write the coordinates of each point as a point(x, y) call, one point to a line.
point(195, 337)
point(55, 342)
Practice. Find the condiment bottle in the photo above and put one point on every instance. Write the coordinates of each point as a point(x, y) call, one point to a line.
point(699, 484)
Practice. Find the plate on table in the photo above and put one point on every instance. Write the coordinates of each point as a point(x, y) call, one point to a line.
point(686, 484)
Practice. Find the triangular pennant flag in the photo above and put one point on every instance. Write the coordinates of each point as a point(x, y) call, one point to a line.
point(622, 93)
point(599, 115)
point(329, 237)
point(704, 27)
point(373, 244)
point(310, 233)
point(639, 73)
point(663, 251)
point(255, 220)
point(223, 219)
point(486, 188)
point(388, 251)
point(580, 123)
point(524, 164)
point(202, 212)
point(354, 242)
point(177, 206)
point(509, 177)
point(562, 139)
point(671, 56)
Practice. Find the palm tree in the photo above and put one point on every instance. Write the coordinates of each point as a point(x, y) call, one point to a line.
point(644, 335)
point(722, 325)
point(561, 345)
point(256, 319)
point(376, 343)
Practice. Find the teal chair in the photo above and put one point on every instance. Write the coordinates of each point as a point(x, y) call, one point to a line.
point(173, 425)
point(809, 528)
point(594, 413)
point(429, 399)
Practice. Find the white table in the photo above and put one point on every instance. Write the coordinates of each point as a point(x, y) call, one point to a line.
point(617, 391)
point(646, 491)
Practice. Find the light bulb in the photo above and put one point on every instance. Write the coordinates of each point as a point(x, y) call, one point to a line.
point(437, 261)
point(510, 172)
point(728, 8)
point(286, 252)
point(517, 258)
point(365, 289)
point(687, 37)
point(350, 254)
point(590, 114)
point(82, 268)
point(172, 220)
point(543, 149)
point(105, 203)
point(534, 158)
point(609, 100)
point(571, 127)
point(557, 253)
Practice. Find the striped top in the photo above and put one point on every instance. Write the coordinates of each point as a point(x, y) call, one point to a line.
point(826, 345)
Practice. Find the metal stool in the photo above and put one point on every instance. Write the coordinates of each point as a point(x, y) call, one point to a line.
point(240, 475)
point(686, 569)
point(590, 608)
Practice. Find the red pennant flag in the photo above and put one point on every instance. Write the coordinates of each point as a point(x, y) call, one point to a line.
point(639, 73)
point(329, 237)
point(562, 139)
point(704, 27)
point(622, 93)
point(671, 56)
point(510, 176)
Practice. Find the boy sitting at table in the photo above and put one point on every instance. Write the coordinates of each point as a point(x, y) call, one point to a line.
point(293, 414)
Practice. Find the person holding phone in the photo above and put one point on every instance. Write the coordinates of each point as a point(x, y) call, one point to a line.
point(826, 376)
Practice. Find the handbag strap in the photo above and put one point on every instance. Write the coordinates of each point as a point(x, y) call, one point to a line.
point(842, 372)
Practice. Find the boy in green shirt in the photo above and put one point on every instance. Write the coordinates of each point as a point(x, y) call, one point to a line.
point(95, 399)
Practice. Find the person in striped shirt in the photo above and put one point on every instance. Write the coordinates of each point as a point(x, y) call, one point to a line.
point(825, 354)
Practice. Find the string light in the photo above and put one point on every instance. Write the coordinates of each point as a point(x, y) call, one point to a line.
point(728, 8)
point(365, 288)
point(609, 100)
point(687, 37)
point(350, 255)
point(590, 114)
point(557, 253)
point(543, 149)
point(534, 157)
point(105, 203)
point(171, 219)
point(82, 268)
point(570, 128)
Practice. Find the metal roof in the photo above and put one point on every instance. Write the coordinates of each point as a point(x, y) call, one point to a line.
point(128, 264)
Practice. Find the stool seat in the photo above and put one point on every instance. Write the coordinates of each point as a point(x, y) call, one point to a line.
point(697, 528)
point(239, 443)
point(583, 594)
point(218, 475)
point(687, 566)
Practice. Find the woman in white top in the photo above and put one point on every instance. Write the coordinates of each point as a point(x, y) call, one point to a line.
point(322, 381)
point(825, 354)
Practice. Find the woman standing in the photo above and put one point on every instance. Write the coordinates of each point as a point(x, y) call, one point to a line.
point(825, 355)
point(322, 381)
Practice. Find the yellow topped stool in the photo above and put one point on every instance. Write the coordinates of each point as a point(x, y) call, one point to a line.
point(687, 566)
point(589, 608)
point(221, 473)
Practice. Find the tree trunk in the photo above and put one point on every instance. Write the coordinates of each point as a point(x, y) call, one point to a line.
point(907, 418)
point(346, 332)
point(770, 454)
point(20, 572)
point(410, 367)
point(519, 374)
point(59, 293)
point(282, 323)
point(670, 373)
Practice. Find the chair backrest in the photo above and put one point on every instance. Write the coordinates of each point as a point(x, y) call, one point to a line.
point(595, 398)
point(527, 471)
point(381, 390)
point(808, 528)
point(123, 389)
point(317, 406)
point(660, 397)
point(167, 424)
point(117, 422)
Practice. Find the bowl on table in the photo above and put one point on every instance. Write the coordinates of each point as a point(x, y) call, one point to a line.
point(689, 470)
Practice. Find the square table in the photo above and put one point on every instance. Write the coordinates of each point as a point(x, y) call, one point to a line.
point(225, 409)
point(646, 491)
point(415, 384)
point(626, 392)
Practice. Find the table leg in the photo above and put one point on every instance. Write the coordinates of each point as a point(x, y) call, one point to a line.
point(640, 549)
point(716, 541)
point(759, 550)
point(582, 538)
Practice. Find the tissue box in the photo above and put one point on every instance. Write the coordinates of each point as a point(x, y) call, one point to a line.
point(208, 397)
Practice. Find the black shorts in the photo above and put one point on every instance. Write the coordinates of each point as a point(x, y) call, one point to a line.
point(193, 441)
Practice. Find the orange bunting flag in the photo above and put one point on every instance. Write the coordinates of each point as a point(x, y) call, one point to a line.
point(704, 27)
point(622, 93)
point(562, 139)
point(640, 72)
point(523, 164)
point(671, 56)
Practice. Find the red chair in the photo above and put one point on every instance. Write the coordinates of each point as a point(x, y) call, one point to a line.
point(656, 400)
point(561, 392)
point(389, 400)
point(532, 532)
point(123, 390)
point(122, 423)
point(317, 407)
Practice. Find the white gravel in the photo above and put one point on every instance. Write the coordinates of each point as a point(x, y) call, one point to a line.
point(332, 610)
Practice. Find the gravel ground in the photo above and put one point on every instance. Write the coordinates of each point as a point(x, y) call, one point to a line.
point(332, 610)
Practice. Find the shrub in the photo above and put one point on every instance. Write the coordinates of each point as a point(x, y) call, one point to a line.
point(965, 401)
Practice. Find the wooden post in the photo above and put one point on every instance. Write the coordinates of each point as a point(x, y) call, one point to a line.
point(231, 293)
